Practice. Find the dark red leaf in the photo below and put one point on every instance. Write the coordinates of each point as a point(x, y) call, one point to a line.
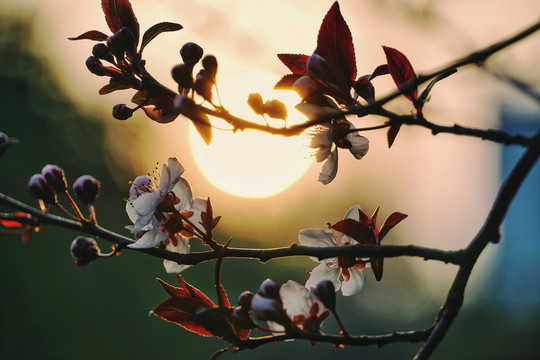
point(118, 85)
point(194, 292)
point(402, 71)
point(373, 219)
point(392, 133)
point(391, 221)
point(335, 45)
point(219, 321)
point(295, 62)
point(377, 267)
point(182, 311)
point(173, 290)
point(379, 70)
point(91, 35)
point(157, 29)
point(119, 14)
point(286, 82)
point(355, 229)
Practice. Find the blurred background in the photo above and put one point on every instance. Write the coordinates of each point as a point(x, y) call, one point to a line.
point(52, 309)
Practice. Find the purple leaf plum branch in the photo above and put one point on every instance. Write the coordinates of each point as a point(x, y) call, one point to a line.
point(167, 218)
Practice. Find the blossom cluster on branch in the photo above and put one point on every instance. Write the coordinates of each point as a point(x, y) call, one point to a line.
point(166, 217)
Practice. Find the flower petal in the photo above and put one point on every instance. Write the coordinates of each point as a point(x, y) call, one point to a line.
point(324, 272)
point(316, 237)
point(354, 284)
point(329, 169)
point(150, 239)
point(174, 172)
point(182, 248)
point(182, 190)
point(295, 299)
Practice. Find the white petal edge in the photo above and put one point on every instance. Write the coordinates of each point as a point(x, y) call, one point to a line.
point(329, 168)
point(295, 299)
point(354, 284)
point(182, 248)
point(324, 272)
point(150, 239)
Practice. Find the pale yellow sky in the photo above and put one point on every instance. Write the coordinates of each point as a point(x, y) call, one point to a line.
point(445, 183)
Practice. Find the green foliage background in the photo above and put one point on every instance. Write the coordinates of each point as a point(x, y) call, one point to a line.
point(51, 309)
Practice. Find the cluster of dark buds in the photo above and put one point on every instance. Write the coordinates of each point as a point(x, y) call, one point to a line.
point(120, 57)
point(51, 182)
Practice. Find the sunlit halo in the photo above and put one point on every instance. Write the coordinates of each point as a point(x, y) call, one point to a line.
point(252, 164)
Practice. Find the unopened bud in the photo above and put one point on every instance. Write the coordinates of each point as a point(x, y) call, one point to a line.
point(203, 84)
point(191, 53)
point(95, 66)
point(269, 289)
point(101, 51)
point(209, 62)
point(183, 104)
point(275, 109)
point(244, 299)
point(122, 112)
point(86, 189)
point(326, 293)
point(121, 42)
point(6, 142)
point(317, 67)
point(55, 177)
point(255, 102)
point(181, 73)
point(84, 250)
point(267, 309)
point(40, 189)
point(242, 318)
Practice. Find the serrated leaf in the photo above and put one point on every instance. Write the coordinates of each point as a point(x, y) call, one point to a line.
point(391, 221)
point(186, 291)
point(109, 88)
point(335, 45)
point(157, 29)
point(91, 35)
point(182, 311)
point(295, 62)
point(401, 71)
point(219, 321)
point(287, 81)
point(119, 14)
point(355, 229)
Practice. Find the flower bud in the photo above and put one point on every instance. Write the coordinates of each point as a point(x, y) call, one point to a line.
point(101, 51)
point(269, 289)
point(181, 73)
point(122, 112)
point(244, 299)
point(203, 84)
point(326, 293)
point(40, 189)
point(121, 42)
point(86, 189)
point(191, 53)
point(317, 67)
point(242, 318)
point(255, 102)
point(6, 142)
point(84, 250)
point(267, 309)
point(95, 66)
point(275, 109)
point(55, 177)
point(209, 62)
point(183, 104)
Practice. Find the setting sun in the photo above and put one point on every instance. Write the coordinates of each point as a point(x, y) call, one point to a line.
point(250, 163)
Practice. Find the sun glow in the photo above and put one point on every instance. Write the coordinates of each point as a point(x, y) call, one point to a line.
point(251, 163)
